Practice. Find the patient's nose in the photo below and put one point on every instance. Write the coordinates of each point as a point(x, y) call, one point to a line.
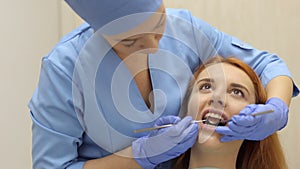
point(217, 101)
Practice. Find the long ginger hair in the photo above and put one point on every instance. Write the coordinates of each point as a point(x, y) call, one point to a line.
point(264, 154)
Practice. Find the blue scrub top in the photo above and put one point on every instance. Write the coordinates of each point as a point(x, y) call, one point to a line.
point(78, 116)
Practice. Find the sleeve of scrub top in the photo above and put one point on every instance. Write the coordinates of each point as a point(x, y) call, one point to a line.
point(266, 65)
point(56, 131)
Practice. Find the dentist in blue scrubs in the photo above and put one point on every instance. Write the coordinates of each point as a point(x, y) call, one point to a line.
point(127, 68)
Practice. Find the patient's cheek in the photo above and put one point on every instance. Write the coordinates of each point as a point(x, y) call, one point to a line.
point(193, 106)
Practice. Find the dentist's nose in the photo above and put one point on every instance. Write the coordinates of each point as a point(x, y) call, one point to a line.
point(150, 43)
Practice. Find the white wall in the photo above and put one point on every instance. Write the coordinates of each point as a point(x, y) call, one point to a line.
point(31, 28)
point(28, 29)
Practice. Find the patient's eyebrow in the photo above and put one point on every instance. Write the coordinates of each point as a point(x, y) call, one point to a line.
point(240, 86)
point(205, 80)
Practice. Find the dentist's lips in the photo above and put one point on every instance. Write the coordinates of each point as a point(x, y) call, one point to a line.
point(214, 117)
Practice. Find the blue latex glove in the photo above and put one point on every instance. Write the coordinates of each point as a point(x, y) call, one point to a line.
point(165, 144)
point(259, 127)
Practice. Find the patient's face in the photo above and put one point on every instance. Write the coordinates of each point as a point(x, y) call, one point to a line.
point(220, 91)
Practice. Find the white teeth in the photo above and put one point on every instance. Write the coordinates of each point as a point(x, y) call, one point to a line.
point(214, 115)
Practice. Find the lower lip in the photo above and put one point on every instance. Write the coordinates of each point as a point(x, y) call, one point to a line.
point(205, 132)
point(207, 127)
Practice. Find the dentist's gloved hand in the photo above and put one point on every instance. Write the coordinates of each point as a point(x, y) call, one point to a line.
point(166, 143)
point(259, 127)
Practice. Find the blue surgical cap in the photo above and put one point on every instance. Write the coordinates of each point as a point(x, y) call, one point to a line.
point(98, 13)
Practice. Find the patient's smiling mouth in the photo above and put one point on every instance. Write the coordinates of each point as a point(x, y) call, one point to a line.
point(214, 117)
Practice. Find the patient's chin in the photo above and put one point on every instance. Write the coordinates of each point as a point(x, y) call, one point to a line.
point(213, 139)
point(206, 132)
point(211, 143)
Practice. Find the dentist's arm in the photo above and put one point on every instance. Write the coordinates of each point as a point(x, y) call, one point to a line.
point(157, 147)
point(282, 88)
point(121, 159)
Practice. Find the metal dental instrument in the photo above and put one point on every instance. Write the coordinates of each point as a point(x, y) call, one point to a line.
point(254, 114)
point(163, 126)
point(196, 121)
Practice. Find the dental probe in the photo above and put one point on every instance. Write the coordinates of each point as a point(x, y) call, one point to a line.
point(163, 126)
point(254, 114)
point(197, 121)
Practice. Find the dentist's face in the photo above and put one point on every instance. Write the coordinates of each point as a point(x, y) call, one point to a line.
point(220, 91)
point(143, 39)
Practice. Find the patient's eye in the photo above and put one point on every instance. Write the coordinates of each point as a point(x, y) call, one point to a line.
point(237, 92)
point(205, 87)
